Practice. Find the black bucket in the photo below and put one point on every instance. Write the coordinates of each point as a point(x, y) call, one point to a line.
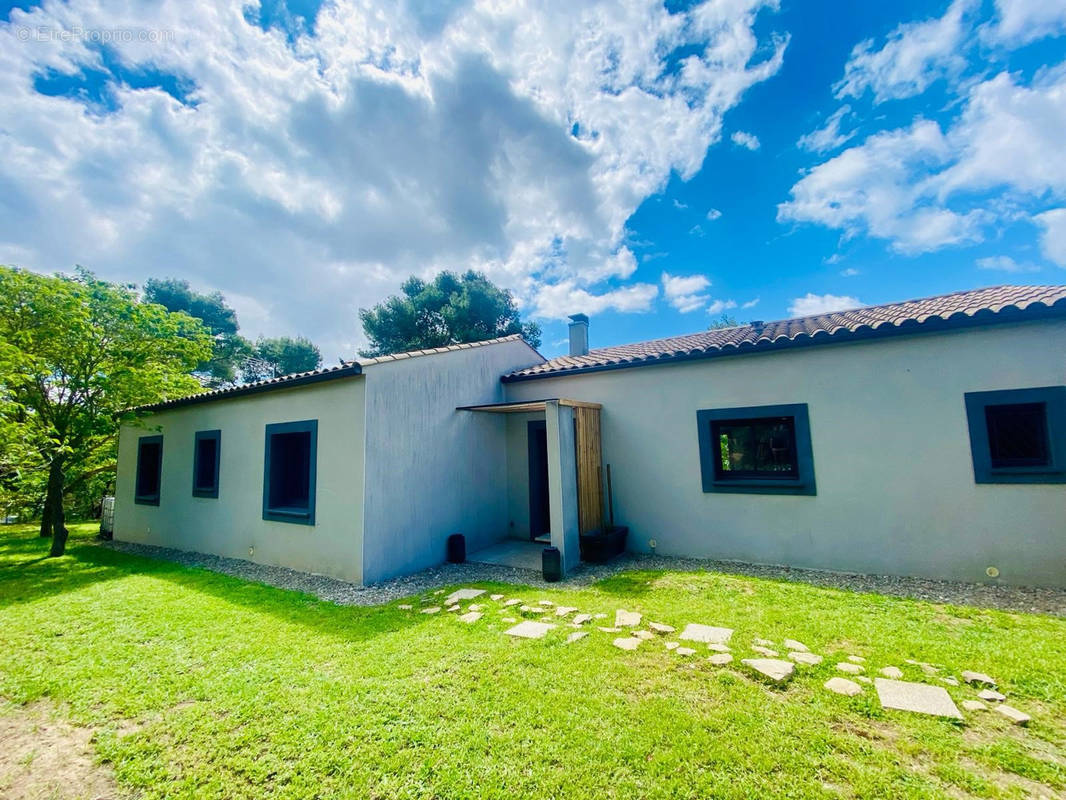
point(552, 564)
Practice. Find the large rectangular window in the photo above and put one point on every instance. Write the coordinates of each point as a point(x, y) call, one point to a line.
point(756, 449)
point(149, 470)
point(207, 453)
point(1017, 435)
point(289, 472)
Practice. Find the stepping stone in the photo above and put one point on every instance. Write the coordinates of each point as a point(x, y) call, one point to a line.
point(718, 647)
point(496, 597)
point(534, 610)
point(659, 627)
point(974, 705)
point(672, 645)
point(431, 610)
point(573, 637)
point(792, 644)
point(856, 659)
point(453, 608)
point(475, 607)
point(773, 668)
point(765, 651)
point(763, 642)
point(685, 651)
point(863, 679)
point(581, 619)
point(471, 617)
point(929, 669)
point(804, 657)
point(721, 659)
point(562, 611)
point(514, 601)
point(548, 603)
point(528, 629)
point(843, 686)
point(706, 633)
point(992, 695)
point(611, 630)
point(950, 681)
point(463, 594)
point(645, 635)
point(626, 619)
point(1013, 714)
point(601, 616)
point(978, 678)
point(508, 619)
point(892, 672)
point(439, 591)
point(626, 643)
point(405, 606)
point(918, 697)
point(851, 669)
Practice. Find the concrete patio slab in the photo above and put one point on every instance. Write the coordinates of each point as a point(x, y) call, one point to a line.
point(920, 698)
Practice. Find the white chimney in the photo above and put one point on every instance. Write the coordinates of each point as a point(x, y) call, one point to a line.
point(579, 335)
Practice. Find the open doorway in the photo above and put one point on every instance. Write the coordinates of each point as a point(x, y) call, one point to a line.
point(539, 514)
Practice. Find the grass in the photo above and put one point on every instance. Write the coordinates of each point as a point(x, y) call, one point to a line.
point(201, 685)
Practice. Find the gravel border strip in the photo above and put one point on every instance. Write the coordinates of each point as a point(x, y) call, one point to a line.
point(1006, 598)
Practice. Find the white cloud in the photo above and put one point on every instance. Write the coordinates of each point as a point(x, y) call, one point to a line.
point(311, 173)
point(1018, 22)
point(812, 304)
point(720, 306)
point(713, 214)
point(1053, 240)
point(750, 303)
point(849, 272)
point(685, 292)
point(828, 137)
point(1005, 264)
point(922, 188)
point(697, 230)
point(679, 205)
point(744, 139)
point(914, 55)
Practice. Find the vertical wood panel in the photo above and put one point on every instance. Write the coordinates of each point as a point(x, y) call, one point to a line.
point(588, 456)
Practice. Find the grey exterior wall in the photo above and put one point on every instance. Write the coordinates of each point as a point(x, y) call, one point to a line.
point(431, 470)
point(895, 483)
point(232, 525)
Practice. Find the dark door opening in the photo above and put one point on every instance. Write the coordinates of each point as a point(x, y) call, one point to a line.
point(539, 514)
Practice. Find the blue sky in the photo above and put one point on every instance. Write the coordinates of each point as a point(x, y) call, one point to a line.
point(653, 167)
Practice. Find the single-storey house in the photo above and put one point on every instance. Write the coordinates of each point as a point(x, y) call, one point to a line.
point(923, 438)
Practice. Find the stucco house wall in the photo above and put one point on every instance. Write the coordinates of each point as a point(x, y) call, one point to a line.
point(232, 524)
point(432, 470)
point(895, 482)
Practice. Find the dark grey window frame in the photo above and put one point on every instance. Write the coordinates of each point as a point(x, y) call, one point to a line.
point(148, 499)
point(802, 484)
point(294, 516)
point(1054, 400)
point(200, 436)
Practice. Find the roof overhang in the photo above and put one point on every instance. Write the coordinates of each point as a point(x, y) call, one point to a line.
point(527, 406)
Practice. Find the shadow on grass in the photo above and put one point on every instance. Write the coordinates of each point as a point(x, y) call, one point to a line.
point(25, 579)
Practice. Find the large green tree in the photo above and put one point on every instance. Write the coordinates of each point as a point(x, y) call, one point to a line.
point(450, 309)
point(284, 355)
point(230, 350)
point(76, 355)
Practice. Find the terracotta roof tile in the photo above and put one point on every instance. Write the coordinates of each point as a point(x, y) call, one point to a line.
point(977, 306)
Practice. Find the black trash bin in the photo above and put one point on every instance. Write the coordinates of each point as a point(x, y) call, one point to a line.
point(456, 548)
point(552, 564)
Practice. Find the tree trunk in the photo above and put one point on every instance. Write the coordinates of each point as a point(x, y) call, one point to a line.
point(53, 504)
point(46, 521)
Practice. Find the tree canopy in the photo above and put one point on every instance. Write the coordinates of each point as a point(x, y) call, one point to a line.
point(450, 309)
point(76, 355)
point(284, 355)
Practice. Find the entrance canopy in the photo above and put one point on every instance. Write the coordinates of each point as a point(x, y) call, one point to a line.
point(575, 467)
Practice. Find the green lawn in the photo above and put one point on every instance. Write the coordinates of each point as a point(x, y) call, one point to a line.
point(200, 685)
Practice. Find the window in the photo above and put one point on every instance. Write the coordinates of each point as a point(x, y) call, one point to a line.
point(756, 450)
point(207, 450)
point(149, 470)
point(1017, 435)
point(289, 472)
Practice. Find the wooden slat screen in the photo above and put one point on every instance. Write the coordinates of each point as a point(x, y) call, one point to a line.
point(589, 468)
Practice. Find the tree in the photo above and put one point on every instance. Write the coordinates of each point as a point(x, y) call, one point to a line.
point(451, 309)
point(724, 321)
point(230, 349)
point(284, 355)
point(76, 355)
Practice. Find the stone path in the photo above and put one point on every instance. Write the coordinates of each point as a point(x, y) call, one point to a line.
point(920, 697)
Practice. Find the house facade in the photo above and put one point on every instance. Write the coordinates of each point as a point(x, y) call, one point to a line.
point(922, 438)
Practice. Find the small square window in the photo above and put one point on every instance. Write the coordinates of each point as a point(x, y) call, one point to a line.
point(289, 472)
point(149, 470)
point(757, 449)
point(1016, 435)
point(207, 453)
